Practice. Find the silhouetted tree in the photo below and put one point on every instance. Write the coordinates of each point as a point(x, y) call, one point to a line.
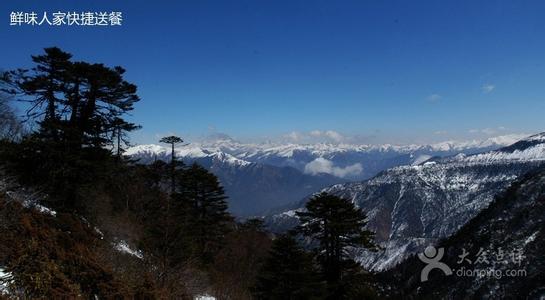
point(209, 218)
point(172, 140)
point(98, 97)
point(77, 106)
point(78, 103)
point(288, 273)
point(336, 224)
point(42, 87)
point(119, 134)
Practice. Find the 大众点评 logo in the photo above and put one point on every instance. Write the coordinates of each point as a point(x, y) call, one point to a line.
point(432, 257)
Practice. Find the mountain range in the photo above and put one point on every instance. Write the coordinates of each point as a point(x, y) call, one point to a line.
point(262, 177)
point(412, 206)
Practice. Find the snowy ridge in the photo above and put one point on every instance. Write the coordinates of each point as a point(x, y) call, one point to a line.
point(187, 152)
point(533, 153)
point(325, 149)
point(534, 149)
point(334, 159)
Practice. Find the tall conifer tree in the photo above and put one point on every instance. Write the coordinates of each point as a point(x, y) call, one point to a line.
point(288, 273)
point(209, 218)
point(336, 224)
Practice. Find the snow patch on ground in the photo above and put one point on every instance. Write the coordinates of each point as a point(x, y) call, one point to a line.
point(205, 297)
point(41, 208)
point(4, 280)
point(531, 238)
point(28, 198)
point(123, 246)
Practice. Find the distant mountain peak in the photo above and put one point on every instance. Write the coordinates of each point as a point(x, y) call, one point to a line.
point(529, 148)
point(219, 137)
point(536, 137)
point(230, 159)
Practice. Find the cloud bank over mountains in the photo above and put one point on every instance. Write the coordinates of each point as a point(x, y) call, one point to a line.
point(315, 136)
point(322, 165)
point(377, 138)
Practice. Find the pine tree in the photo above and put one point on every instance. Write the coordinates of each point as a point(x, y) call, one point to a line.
point(336, 224)
point(209, 218)
point(77, 103)
point(172, 140)
point(80, 108)
point(288, 273)
point(45, 84)
point(120, 128)
point(98, 97)
point(165, 238)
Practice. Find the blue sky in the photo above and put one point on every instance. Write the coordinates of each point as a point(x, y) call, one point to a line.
point(395, 71)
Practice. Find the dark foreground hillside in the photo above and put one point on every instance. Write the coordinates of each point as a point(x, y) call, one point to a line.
point(60, 255)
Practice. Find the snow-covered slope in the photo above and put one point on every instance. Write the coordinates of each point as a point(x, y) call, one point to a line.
point(509, 234)
point(412, 206)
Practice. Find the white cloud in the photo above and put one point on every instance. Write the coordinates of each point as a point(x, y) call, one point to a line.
point(487, 88)
point(488, 131)
point(440, 132)
point(337, 137)
point(293, 136)
point(322, 165)
point(316, 133)
point(434, 97)
point(315, 136)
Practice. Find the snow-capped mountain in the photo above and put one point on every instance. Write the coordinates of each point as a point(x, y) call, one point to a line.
point(349, 161)
point(259, 177)
point(412, 206)
point(252, 187)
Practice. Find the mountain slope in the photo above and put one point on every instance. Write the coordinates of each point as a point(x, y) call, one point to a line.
point(255, 188)
point(513, 223)
point(410, 207)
